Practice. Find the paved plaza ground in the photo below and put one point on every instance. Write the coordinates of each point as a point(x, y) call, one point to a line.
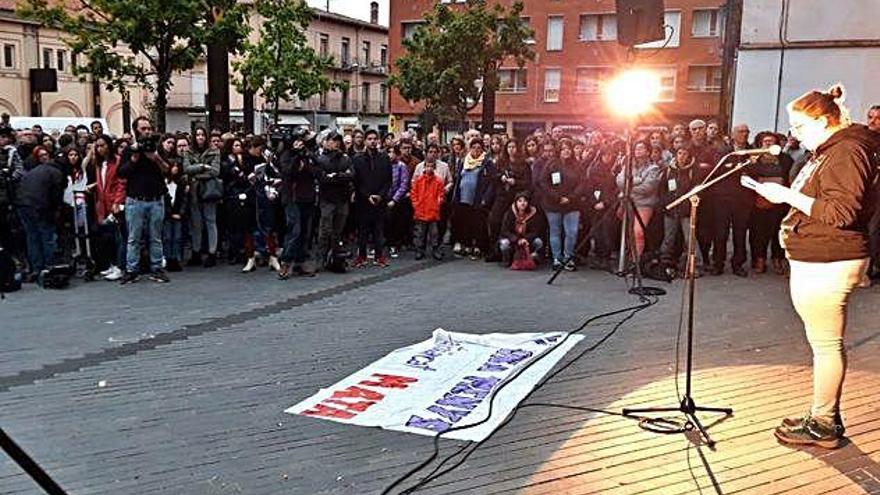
point(180, 388)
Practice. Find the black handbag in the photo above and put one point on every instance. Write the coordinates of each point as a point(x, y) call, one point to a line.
point(211, 190)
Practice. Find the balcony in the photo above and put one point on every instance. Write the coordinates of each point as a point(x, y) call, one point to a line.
point(179, 99)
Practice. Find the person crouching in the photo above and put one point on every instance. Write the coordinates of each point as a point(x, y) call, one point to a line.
point(520, 242)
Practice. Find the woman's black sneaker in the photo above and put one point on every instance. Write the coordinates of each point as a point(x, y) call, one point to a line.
point(811, 431)
point(195, 260)
point(160, 277)
point(129, 278)
point(795, 421)
point(174, 266)
point(210, 260)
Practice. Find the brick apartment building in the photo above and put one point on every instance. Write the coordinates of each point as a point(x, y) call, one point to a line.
point(576, 50)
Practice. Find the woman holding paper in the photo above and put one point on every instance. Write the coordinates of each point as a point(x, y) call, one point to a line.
point(825, 235)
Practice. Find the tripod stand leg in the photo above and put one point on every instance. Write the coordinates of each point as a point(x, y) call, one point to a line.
point(724, 410)
point(696, 422)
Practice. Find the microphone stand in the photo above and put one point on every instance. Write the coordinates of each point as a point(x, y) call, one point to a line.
point(29, 465)
point(688, 406)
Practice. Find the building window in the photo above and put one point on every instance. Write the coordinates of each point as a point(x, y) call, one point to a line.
point(74, 60)
point(365, 53)
point(61, 57)
point(672, 25)
point(345, 55)
point(667, 77)
point(554, 33)
point(344, 99)
point(324, 45)
point(383, 97)
point(598, 27)
point(47, 58)
point(552, 83)
point(591, 79)
point(322, 101)
point(704, 78)
point(527, 24)
point(513, 80)
point(383, 56)
point(8, 56)
point(708, 23)
point(365, 97)
point(409, 28)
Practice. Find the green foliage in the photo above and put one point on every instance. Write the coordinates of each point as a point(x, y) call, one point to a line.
point(457, 49)
point(170, 35)
point(282, 64)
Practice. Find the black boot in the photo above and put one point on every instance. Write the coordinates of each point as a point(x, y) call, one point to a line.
point(195, 260)
point(210, 260)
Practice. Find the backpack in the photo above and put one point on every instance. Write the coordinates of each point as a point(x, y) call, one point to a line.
point(10, 279)
point(337, 260)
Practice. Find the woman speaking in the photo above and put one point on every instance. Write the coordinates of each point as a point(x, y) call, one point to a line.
point(825, 236)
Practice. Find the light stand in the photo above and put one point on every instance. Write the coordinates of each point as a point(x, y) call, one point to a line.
point(628, 250)
point(688, 406)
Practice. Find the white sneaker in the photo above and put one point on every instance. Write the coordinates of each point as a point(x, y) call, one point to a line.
point(114, 275)
point(457, 248)
point(108, 271)
point(250, 266)
point(273, 264)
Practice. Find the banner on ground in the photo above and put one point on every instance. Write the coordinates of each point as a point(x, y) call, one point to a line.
point(441, 383)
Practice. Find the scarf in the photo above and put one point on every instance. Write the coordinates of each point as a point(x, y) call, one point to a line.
point(471, 163)
point(521, 219)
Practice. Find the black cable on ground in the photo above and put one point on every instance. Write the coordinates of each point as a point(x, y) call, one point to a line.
point(632, 310)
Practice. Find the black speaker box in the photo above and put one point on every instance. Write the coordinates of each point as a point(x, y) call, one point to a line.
point(640, 21)
point(44, 81)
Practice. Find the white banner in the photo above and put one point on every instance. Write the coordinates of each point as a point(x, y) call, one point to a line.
point(441, 383)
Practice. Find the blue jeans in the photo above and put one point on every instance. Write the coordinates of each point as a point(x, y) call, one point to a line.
point(41, 238)
point(172, 239)
point(140, 216)
point(294, 239)
point(265, 226)
point(563, 249)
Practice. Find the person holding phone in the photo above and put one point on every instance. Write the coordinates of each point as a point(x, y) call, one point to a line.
point(825, 236)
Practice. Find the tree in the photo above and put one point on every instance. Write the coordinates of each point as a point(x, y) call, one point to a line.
point(452, 60)
point(281, 65)
point(140, 41)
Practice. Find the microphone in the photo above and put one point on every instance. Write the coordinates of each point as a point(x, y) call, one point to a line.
point(774, 150)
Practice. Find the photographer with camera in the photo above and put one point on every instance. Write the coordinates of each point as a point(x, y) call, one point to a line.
point(299, 174)
point(11, 170)
point(144, 171)
point(336, 176)
point(202, 165)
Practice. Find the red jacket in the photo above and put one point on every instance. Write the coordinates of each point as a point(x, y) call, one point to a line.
point(427, 195)
point(108, 192)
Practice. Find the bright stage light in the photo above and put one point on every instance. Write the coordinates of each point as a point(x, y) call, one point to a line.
point(632, 92)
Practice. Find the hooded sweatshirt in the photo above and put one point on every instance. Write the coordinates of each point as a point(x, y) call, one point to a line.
point(842, 178)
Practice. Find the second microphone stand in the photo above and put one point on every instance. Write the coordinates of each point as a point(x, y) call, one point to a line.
point(688, 405)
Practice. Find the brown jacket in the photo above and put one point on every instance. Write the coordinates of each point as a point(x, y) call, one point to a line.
point(844, 188)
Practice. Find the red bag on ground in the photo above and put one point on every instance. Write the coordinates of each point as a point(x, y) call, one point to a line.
point(522, 259)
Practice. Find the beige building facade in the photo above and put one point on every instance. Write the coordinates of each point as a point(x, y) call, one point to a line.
point(26, 45)
point(360, 53)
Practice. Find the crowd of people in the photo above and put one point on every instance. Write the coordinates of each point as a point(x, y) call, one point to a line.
point(299, 203)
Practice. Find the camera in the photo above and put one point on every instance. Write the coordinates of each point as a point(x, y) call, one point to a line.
point(146, 145)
